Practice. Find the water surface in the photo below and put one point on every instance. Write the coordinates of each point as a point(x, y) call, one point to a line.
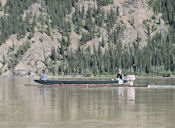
point(36, 107)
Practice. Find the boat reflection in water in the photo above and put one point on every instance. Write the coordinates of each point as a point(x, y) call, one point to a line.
point(43, 95)
point(131, 94)
point(72, 107)
point(126, 93)
point(126, 98)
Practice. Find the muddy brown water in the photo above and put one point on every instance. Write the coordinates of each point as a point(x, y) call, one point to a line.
point(61, 107)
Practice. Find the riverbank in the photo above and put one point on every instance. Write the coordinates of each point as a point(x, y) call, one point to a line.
point(81, 77)
point(154, 76)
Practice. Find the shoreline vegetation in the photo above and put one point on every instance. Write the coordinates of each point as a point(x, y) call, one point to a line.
point(93, 77)
point(102, 77)
point(163, 74)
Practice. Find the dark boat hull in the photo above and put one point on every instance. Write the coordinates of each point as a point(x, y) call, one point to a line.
point(56, 83)
point(53, 82)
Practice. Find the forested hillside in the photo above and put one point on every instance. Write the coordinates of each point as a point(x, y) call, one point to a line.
point(87, 37)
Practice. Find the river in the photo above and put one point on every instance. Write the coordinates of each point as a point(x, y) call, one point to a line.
point(59, 107)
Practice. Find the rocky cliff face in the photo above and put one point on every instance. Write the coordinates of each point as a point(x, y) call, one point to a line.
point(135, 16)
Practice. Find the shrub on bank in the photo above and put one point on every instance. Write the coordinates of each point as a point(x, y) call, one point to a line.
point(165, 73)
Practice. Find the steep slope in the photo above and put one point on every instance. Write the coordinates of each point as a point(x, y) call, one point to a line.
point(79, 37)
point(3, 2)
point(136, 15)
